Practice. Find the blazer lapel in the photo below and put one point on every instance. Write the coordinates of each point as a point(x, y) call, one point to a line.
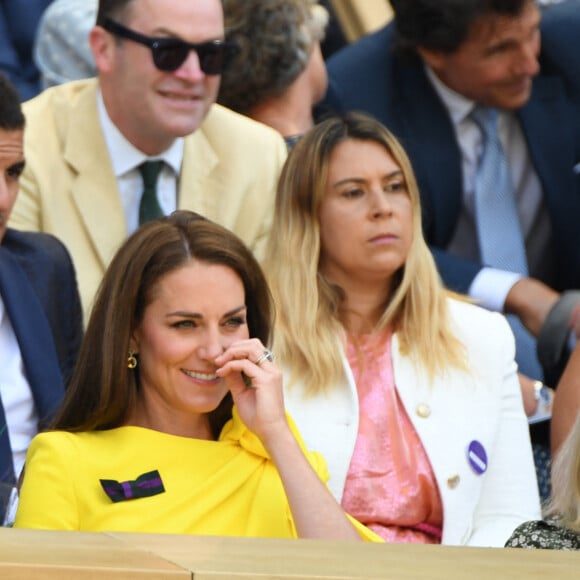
point(428, 401)
point(33, 335)
point(197, 183)
point(550, 136)
point(94, 189)
point(427, 133)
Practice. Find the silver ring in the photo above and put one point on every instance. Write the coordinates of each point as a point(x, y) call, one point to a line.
point(266, 355)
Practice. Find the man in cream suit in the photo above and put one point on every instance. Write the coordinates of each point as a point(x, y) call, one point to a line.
point(159, 65)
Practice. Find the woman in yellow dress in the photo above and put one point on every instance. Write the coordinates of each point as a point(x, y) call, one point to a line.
point(174, 421)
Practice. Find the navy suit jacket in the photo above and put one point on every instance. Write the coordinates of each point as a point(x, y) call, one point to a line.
point(370, 76)
point(39, 290)
point(18, 24)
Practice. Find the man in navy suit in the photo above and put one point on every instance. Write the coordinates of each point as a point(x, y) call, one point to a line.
point(421, 76)
point(40, 312)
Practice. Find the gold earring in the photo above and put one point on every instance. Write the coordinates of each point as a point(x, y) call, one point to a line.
point(131, 360)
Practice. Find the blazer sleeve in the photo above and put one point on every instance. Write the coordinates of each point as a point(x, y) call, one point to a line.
point(66, 311)
point(510, 492)
point(457, 273)
point(47, 496)
point(50, 270)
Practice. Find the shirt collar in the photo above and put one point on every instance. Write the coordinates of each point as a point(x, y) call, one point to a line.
point(458, 106)
point(124, 155)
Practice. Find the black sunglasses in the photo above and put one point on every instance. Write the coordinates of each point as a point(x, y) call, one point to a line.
point(170, 53)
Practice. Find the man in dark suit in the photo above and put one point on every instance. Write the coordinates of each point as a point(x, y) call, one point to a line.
point(40, 312)
point(421, 76)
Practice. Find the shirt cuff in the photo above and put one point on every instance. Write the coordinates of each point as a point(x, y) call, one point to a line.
point(490, 287)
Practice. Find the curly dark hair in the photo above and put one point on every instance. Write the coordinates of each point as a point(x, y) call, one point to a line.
point(275, 40)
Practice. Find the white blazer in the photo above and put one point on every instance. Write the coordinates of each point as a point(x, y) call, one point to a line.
point(452, 415)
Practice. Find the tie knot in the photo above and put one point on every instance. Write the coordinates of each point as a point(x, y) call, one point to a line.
point(486, 119)
point(150, 172)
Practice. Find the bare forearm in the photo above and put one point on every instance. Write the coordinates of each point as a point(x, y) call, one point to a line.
point(316, 513)
point(531, 301)
point(261, 406)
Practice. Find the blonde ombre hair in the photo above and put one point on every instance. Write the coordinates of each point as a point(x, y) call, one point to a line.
point(564, 504)
point(307, 304)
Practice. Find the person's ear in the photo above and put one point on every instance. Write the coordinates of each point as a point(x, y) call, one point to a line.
point(103, 46)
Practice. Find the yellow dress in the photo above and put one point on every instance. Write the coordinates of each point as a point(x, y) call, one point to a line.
point(225, 487)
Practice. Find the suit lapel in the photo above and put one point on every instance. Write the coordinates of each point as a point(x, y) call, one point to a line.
point(197, 182)
point(94, 189)
point(33, 335)
point(427, 400)
point(550, 137)
point(428, 136)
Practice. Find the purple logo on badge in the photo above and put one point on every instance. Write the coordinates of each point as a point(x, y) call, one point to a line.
point(477, 457)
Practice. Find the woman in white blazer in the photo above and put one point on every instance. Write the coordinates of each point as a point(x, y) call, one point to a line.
point(410, 393)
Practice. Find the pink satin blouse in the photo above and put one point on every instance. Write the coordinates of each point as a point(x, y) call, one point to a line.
point(390, 486)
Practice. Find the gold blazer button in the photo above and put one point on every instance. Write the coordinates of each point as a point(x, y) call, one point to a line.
point(453, 481)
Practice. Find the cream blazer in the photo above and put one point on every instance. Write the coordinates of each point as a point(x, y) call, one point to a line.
point(229, 174)
point(449, 414)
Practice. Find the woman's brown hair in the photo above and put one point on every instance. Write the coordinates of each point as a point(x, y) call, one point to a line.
point(103, 390)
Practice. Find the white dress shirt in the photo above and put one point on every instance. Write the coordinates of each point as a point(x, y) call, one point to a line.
point(125, 160)
point(19, 408)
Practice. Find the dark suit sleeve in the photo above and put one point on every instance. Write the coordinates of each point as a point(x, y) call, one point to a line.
point(65, 316)
point(48, 266)
point(457, 273)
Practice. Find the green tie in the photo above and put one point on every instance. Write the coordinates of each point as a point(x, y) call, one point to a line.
point(149, 208)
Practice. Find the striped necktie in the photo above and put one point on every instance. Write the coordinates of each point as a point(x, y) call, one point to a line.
point(7, 475)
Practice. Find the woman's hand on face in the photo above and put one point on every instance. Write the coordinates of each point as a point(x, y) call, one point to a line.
point(256, 388)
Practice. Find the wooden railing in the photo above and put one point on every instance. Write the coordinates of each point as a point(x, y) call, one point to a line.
point(38, 555)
